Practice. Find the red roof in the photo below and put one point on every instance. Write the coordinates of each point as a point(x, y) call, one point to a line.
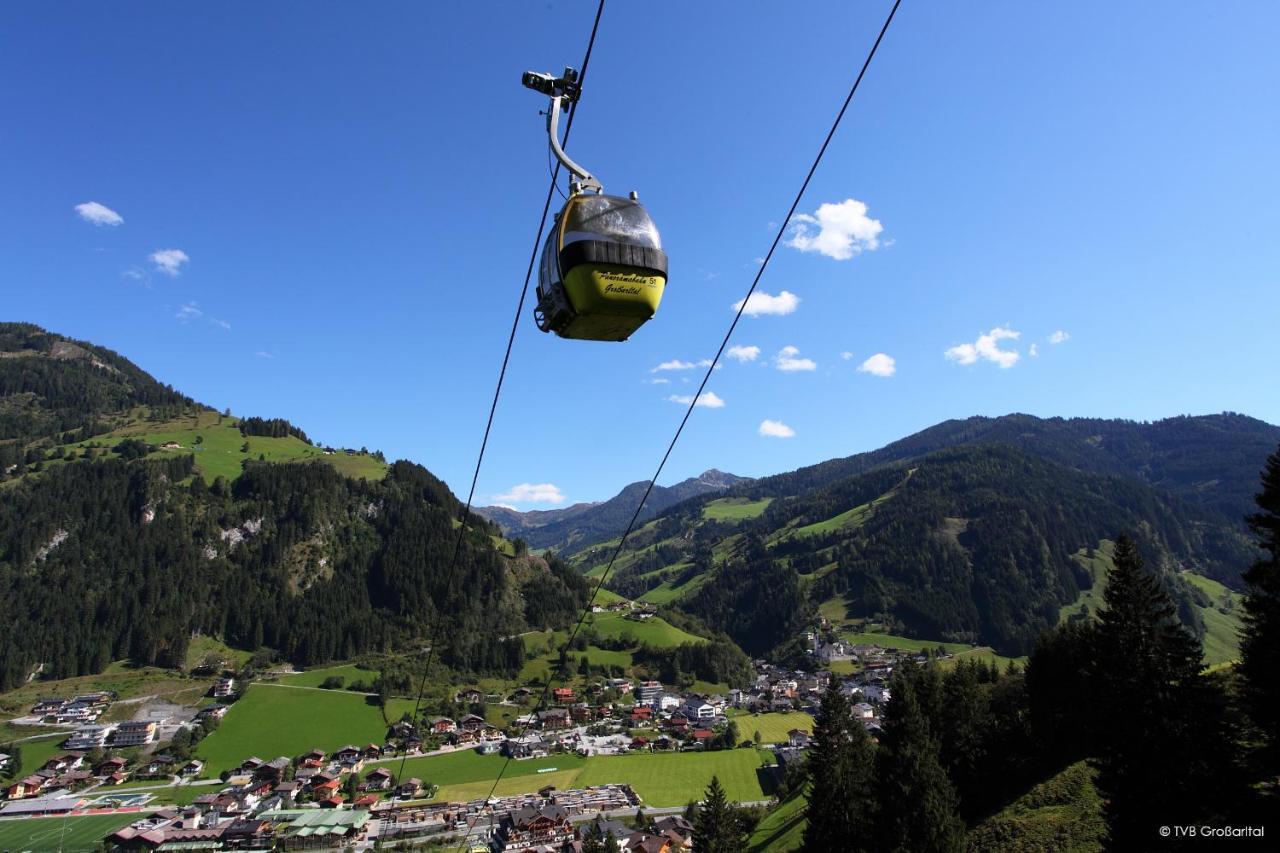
point(701, 734)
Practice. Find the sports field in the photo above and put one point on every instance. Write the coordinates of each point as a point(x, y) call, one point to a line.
point(71, 835)
point(272, 720)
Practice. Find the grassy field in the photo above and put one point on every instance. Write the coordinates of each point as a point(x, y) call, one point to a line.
point(676, 778)
point(782, 830)
point(1222, 619)
point(1090, 600)
point(660, 779)
point(34, 752)
point(773, 728)
point(313, 677)
point(906, 644)
point(1062, 813)
point(734, 509)
point(201, 647)
point(271, 721)
point(218, 452)
point(666, 592)
point(70, 835)
point(654, 632)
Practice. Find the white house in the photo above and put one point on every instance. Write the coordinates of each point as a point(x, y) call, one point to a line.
point(697, 708)
point(668, 702)
point(88, 737)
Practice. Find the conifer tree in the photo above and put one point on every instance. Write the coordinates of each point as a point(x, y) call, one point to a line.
point(1260, 641)
point(918, 811)
point(1162, 750)
point(841, 798)
point(717, 829)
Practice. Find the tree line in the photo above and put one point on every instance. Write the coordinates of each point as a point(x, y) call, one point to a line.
point(1169, 743)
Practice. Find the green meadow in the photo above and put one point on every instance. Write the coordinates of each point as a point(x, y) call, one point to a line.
point(272, 720)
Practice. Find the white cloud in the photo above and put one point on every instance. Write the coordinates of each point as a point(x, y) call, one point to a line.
point(1060, 337)
point(658, 380)
point(190, 311)
point(169, 261)
point(844, 230)
point(763, 303)
point(847, 356)
point(135, 273)
point(222, 324)
point(744, 353)
point(677, 364)
point(776, 429)
point(707, 399)
point(264, 354)
point(535, 493)
point(788, 360)
point(1034, 351)
point(879, 364)
point(98, 214)
point(987, 348)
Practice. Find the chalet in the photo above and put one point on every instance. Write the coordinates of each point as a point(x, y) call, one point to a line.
point(250, 764)
point(464, 737)
point(489, 747)
point(194, 767)
point(287, 791)
point(863, 711)
point(641, 714)
point(371, 751)
point(554, 718)
point(622, 685)
point(249, 834)
point(580, 712)
point(678, 722)
point(469, 696)
point(323, 787)
point(133, 734)
point(314, 758)
point(534, 826)
point(224, 687)
point(798, 738)
point(443, 725)
point(47, 707)
point(409, 789)
point(703, 735)
point(77, 712)
point(378, 780)
point(529, 746)
point(64, 762)
point(367, 801)
point(212, 712)
point(24, 788)
point(347, 755)
point(471, 722)
point(159, 765)
point(332, 802)
point(273, 771)
point(562, 695)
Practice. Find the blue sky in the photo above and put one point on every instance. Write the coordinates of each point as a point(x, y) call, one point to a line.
point(327, 210)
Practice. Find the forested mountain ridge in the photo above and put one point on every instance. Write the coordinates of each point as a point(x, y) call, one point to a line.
point(574, 527)
point(977, 542)
point(116, 548)
point(52, 386)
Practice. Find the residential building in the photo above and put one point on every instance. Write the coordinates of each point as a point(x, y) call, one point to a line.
point(648, 692)
point(534, 826)
point(224, 687)
point(133, 734)
point(88, 737)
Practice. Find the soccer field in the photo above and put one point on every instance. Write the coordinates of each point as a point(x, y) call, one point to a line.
point(71, 835)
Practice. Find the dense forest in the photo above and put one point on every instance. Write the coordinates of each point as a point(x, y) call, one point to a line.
point(113, 559)
point(54, 387)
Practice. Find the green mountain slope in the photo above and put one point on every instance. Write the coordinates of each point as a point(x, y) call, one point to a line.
point(974, 544)
point(132, 519)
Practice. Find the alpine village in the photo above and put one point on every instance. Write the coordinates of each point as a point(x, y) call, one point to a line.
point(218, 633)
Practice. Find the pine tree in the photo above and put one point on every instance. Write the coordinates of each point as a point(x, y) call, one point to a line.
point(918, 811)
point(841, 799)
point(1160, 740)
point(717, 829)
point(1260, 641)
point(611, 843)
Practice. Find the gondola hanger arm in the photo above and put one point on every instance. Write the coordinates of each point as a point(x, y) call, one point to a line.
point(560, 89)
